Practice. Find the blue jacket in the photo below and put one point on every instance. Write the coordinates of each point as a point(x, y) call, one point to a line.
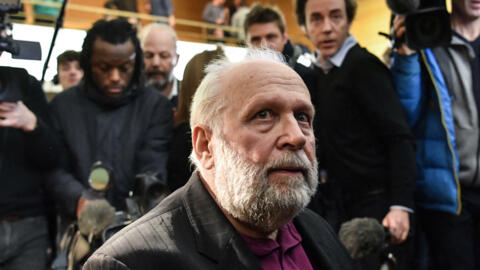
point(427, 101)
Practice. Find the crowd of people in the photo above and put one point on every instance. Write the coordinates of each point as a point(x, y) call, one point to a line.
point(265, 157)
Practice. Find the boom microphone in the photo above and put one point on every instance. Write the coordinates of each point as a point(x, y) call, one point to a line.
point(403, 7)
point(362, 237)
point(95, 217)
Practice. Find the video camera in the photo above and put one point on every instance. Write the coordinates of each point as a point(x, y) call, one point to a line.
point(20, 49)
point(427, 22)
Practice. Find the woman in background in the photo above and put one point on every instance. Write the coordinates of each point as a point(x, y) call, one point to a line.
point(179, 167)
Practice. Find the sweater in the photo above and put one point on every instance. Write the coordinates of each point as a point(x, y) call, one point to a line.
point(25, 157)
point(364, 141)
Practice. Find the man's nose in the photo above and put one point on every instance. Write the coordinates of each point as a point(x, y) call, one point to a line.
point(292, 135)
point(156, 60)
point(264, 43)
point(327, 25)
point(114, 75)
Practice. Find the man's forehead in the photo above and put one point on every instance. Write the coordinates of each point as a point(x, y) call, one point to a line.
point(250, 76)
point(68, 63)
point(104, 49)
point(267, 26)
point(159, 37)
point(316, 6)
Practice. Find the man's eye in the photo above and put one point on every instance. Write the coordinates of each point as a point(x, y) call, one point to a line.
point(103, 68)
point(272, 37)
point(315, 18)
point(255, 40)
point(124, 68)
point(263, 114)
point(165, 56)
point(302, 117)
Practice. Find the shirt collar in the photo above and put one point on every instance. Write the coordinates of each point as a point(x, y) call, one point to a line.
point(174, 91)
point(337, 59)
point(287, 238)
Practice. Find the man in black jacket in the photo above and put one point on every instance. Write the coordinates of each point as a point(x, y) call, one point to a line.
point(28, 149)
point(365, 143)
point(110, 117)
point(254, 151)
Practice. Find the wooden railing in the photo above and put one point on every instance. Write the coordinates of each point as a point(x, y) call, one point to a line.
point(202, 33)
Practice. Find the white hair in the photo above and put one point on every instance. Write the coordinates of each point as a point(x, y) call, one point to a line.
point(208, 102)
point(160, 27)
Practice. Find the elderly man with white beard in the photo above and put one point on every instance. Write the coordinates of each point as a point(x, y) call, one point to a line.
point(244, 207)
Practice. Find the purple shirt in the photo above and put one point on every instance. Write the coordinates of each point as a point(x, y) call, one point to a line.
point(284, 253)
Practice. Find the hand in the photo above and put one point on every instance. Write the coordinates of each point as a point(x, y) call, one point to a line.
point(399, 31)
point(398, 222)
point(219, 21)
point(17, 115)
point(81, 204)
point(171, 21)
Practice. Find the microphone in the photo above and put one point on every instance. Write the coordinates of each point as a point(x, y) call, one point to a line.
point(403, 7)
point(95, 217)
point(362, 237)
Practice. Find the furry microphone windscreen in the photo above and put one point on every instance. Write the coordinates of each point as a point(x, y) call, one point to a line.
point(362, 236)
point(95, 217)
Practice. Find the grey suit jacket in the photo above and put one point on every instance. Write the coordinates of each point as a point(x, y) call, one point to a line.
point(187, 230)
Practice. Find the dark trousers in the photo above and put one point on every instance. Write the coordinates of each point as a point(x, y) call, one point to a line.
point(23, 244)
point(454, 241)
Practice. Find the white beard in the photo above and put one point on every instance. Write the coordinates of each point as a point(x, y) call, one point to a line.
point(244, 191)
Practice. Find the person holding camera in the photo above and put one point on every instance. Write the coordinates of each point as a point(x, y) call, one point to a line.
point(440, 91)
point(110, 117)
point(365, 143)
point(28, 149)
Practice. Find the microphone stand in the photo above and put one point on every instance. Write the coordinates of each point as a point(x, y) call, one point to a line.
point(58, 25)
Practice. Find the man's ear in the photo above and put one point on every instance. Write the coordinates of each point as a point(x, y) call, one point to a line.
point(202, 146)
point(175, 59)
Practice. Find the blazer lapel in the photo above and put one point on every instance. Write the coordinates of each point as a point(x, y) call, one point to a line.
point(320, 243)
point(215, 236)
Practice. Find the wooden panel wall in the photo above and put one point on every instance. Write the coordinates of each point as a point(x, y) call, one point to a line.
point(79, 19)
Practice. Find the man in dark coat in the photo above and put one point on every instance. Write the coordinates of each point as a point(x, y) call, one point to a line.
point(365, 144)
point(110, 117)
point(28, 149)
point(243, 208)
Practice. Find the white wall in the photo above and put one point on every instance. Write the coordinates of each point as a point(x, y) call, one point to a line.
point(69, 39)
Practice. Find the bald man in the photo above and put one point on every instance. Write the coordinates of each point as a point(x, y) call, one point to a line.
point(159, 45)
point(244, 207)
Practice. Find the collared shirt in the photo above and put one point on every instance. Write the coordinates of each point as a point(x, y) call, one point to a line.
point(286, 252)
point(337, 59)
point(174, 91)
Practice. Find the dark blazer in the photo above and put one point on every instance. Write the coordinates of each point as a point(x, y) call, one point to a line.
point(188, 231)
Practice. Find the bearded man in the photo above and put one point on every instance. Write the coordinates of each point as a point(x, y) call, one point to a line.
point(244, 207)
point(159, 45)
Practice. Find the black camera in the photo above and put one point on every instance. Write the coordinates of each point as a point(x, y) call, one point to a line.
point(20, 49)
point(427, 22)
